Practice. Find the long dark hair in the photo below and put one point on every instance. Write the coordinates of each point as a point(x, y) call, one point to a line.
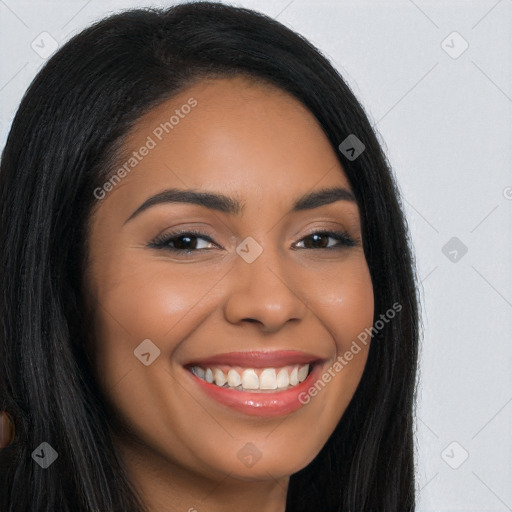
point(63, 145)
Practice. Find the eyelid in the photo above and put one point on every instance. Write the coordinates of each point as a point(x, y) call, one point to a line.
point(160, 241)
point(347, 240)
point(344, 239)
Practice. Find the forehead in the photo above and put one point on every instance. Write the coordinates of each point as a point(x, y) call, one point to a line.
point(232, 135)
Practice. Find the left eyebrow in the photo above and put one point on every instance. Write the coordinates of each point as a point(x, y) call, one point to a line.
point(233, 206)
point(322, 197)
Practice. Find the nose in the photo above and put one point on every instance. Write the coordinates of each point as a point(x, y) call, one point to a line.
point(262, 292)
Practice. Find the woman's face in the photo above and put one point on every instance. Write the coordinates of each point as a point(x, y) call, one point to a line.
point(255, 298)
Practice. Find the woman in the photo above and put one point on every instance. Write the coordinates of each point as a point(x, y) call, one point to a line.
point(208, 297)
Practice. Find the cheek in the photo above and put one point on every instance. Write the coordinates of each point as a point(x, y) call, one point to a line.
point(344, 301)
point(142, 299)
point(139, 299)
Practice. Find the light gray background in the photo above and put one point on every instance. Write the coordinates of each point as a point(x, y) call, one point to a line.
point(446, 123)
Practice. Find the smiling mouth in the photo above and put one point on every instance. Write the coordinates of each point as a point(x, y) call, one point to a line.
point(257, 383)
point(253, 379)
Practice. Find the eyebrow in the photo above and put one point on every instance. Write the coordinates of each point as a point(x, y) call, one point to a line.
point(233, 206)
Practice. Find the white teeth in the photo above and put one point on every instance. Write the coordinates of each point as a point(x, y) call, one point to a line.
point(200, 372)
point(283, 379)
point(220, 378)
point(250, 380)
point(268, 379)
point(303, 372)
point(234, 379)
point(294, 380)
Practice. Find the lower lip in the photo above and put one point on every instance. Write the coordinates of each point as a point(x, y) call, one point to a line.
point(265, 404)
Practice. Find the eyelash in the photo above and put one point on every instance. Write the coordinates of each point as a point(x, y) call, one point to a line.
point(162, 241)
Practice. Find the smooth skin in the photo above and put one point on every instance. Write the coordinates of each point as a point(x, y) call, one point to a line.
point(257, 144)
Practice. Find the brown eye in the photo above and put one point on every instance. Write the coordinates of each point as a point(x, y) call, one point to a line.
point(182, 242)
point(320, 240)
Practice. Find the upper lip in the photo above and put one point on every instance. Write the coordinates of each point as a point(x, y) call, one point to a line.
point(257, 359)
